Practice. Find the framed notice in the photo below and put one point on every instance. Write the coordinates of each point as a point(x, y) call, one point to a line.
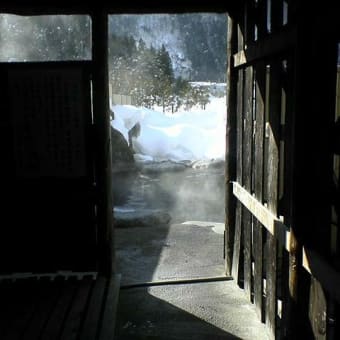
point(48, 113)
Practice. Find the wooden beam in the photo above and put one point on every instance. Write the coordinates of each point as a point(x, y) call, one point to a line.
point(265, 48)
point(273, 224)
point(313, 262)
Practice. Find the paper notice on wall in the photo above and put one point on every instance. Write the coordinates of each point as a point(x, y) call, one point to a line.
point(47, 107)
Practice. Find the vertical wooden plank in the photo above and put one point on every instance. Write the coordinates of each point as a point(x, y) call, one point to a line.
point(103, 139)
point(272, 131)
point(271, 277)
point(231, 132)
point(247, 175)
point(279, 149)
point(289, 261)
point(260, 88)
point(239, 168)
point(284, 295)
point(237, 255)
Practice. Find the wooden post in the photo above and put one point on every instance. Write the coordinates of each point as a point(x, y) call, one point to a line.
point(286, 183)
point(239, 171)
point(230, 169)
point(247, 177)
point(239, 146)
point(260, 88)
point(272, 190)
point(101, 116)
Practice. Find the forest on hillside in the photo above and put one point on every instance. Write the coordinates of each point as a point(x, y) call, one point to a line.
point(147, 74)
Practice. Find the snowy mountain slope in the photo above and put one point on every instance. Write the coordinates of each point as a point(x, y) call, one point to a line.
point(196, 42)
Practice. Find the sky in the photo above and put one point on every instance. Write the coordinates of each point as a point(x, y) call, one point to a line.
point(186, 135)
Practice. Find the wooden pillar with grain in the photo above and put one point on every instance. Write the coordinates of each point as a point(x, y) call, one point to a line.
point(248, 129)
point(247, 178)
point(230, 169)
point(258, 159)
point(239, 74)
point(260, 89)
point(101, 116)
point(272, 190)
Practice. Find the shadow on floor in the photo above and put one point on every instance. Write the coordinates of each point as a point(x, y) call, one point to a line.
point(155, 318)
point(174, 252)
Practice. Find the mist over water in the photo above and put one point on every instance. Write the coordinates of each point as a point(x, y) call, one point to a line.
point(190, 194)
point(198, 195)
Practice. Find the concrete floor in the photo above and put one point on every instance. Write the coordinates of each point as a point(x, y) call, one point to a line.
point(173, 310)
point(172, 252)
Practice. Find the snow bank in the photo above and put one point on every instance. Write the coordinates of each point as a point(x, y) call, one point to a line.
point(187, 135)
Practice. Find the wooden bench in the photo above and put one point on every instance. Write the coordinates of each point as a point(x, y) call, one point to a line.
point(58, 307)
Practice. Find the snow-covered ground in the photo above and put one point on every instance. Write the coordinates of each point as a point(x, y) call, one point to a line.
point(186, 135)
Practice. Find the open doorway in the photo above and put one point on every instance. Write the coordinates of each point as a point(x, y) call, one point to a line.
point(168, 106)
point(169, 224)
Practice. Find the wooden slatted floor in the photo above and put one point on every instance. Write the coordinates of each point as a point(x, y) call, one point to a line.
point(61, 308)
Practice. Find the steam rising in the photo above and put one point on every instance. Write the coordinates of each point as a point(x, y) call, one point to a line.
point(193, 194)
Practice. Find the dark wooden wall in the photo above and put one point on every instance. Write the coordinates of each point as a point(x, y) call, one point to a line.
point(47, 196)
point(280, 243)
point(57, 219)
